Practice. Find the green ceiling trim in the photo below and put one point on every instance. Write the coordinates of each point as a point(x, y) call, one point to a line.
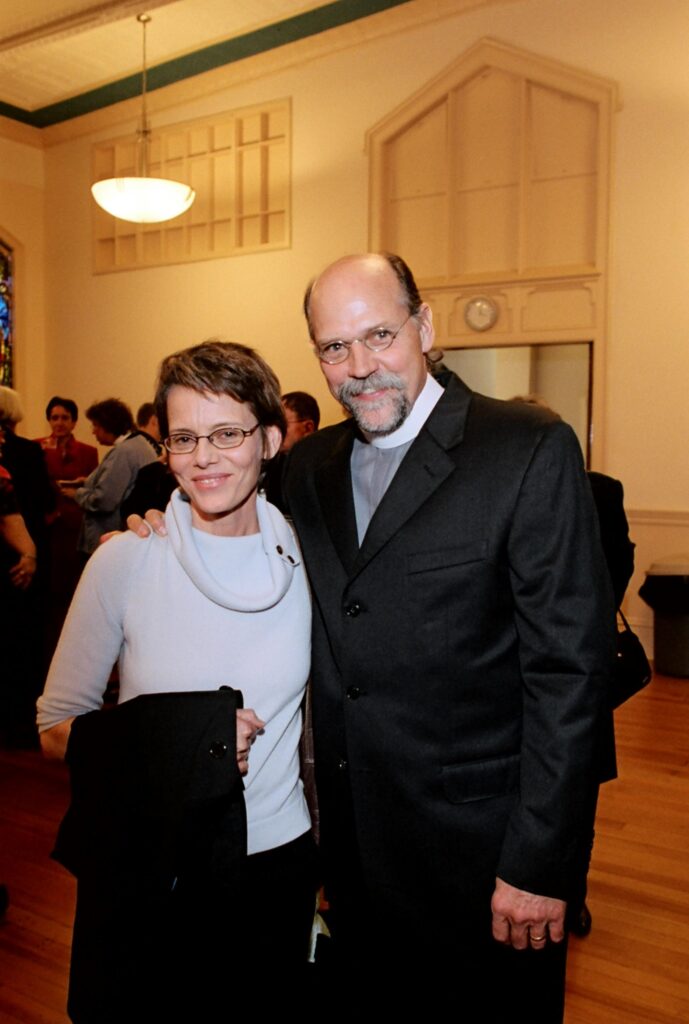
point(301, 26)
point(17, 113)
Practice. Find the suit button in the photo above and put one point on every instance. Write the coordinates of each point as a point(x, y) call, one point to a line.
point(353, 692)
point(342, 764)
point(352, 609)
point(217, 749)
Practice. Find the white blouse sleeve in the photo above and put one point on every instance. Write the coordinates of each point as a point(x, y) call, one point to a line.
point(92, 635)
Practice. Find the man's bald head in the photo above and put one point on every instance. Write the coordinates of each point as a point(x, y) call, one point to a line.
point(373, 264)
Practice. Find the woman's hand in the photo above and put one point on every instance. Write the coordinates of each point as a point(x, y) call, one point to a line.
point(22, 573)
point(15, 534)
point(54, 740)
point(248, 727)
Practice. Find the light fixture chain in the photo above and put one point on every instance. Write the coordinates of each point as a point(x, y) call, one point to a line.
point(144, 131)
point(144, 19)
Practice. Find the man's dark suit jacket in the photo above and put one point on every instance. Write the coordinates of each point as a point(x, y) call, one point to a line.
point(460, 660)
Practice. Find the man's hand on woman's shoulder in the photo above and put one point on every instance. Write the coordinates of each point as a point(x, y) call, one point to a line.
point(154, 522)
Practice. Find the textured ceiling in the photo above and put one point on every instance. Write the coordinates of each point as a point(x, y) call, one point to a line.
point(61, 57)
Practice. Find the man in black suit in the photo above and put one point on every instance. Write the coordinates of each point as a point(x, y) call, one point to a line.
point(463, 633)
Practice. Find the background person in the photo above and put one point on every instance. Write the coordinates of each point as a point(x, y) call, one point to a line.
point(24, 462)
point(26, 659)
point(68, 462)
point(302, 416)
point(17, 624)
point(102, 493)
point(152, 488)
point(15, 536)
point(147, 424)
point(155, 482)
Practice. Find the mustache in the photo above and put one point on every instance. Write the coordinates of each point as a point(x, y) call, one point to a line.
point(377, 380)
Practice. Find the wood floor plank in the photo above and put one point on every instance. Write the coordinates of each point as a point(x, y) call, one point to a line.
point(632, 969)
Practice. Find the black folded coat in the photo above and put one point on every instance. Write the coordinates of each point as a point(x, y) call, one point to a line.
point(156, 835)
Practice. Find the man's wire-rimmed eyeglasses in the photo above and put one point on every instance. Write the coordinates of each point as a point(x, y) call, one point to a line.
point(375, 340)
point(184, 443)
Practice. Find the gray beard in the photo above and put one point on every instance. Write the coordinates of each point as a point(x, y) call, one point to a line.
point(397, 399)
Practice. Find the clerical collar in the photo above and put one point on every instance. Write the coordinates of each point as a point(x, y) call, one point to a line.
point(421, 410)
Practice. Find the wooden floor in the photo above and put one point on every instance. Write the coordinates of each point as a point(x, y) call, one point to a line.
point(35, 934)
point(632, 969)
point(634, 966)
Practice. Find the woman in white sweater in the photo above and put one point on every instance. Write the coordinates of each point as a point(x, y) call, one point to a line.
point(222, 601)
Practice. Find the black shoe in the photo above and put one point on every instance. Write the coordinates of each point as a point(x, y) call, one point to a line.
point(580, 923)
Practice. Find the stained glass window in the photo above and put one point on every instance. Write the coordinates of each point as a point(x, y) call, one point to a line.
point(6, 311)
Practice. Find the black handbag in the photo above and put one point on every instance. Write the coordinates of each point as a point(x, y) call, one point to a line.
point(632, 669)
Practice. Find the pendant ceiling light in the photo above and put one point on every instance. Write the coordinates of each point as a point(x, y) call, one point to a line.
point(140, 198)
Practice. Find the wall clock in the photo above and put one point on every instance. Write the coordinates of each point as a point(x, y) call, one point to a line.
point(480, 313)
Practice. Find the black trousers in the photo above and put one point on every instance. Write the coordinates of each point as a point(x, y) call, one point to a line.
point(192, 952)
point(388, 972)
point(389, 957)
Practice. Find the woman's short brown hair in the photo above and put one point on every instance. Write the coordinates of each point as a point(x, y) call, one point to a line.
point(222, 368)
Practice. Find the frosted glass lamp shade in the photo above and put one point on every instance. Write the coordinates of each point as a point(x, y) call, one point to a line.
point(143, 200)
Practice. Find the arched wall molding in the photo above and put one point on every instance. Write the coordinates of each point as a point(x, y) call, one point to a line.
point(494, 180)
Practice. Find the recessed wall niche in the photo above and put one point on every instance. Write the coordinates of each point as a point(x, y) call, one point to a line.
point(493, 182)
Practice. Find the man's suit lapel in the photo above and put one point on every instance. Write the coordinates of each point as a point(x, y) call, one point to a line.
point(425, 467)
point(334, 488)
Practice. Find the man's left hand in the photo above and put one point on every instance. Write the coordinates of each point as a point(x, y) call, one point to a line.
point(523, 919)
